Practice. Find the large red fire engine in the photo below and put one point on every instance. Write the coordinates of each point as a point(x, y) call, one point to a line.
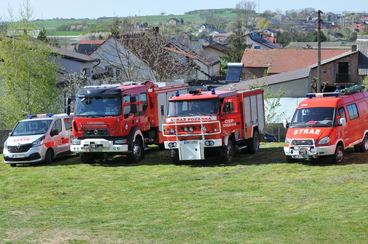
point(115, 119)
point(220, 121)
point(325, 124)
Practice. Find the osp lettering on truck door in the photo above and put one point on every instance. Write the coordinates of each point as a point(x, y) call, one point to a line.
point(229, 123)
point(307, 132)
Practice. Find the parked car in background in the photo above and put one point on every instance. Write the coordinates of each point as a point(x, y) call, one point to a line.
point(39, 138)
point(269, 138)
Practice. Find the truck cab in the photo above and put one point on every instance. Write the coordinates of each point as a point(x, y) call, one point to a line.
point(200, 123)
point(118, 119)
point(325, 124)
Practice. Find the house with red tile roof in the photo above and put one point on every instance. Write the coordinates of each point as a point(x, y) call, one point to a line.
point(260, 63)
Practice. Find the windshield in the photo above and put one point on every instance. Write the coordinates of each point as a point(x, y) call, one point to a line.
point(313, 117)
point(193, 107)
point(98, 106)
point(29, 128)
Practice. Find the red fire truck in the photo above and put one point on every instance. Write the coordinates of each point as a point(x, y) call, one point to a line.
point(116, 119)
point(214, 121)
point(325, 124)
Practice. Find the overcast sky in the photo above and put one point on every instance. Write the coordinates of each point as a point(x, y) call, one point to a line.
point(44, 9)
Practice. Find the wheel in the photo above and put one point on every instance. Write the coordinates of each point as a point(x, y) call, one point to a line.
point(174, 155)
point(137, 153)
point(86, 158)
point(49, 157)
point(363, 146)
point(338, 157)
point(253, 143)
point(289, 159)
point(227, 152)
point(13, 165)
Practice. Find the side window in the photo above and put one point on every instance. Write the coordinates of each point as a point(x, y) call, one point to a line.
point(228, 107)
point(68, 123)
point(57, 126)
point(143, 103)
point(353, 112)
point(134, 104)
point(126, 104)
point(342, 113)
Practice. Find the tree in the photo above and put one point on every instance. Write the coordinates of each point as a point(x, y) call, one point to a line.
point(263, 24)
point(236, 45)
point(28, 73)
point(246, 13)
point(42, 36)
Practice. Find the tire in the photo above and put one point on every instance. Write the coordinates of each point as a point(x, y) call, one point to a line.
point(338, 157)
point(86, 158)
point(49, 157)
point(13, 165)
point(227, 152)
point(363, 146)
point(290, 159)
point(137, 153)
point(174, 155)
point(253, 143)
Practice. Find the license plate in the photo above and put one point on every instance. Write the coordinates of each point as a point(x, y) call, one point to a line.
point(190, 142)
point(19, 156)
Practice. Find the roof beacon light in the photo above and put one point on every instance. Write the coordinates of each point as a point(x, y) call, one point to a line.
point(177, 93)
point(213, 91)
point(326, 94)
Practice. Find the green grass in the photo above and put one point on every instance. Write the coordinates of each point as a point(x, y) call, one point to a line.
point(259, 198)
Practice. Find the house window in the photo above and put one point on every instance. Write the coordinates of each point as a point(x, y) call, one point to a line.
point(344, 68)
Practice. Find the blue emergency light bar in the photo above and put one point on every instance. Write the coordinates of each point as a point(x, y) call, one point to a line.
point(326, 94)
point(32, 116)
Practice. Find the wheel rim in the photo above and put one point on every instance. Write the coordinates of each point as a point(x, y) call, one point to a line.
point(366, 144)
point(229, 152)
point(256, 141)
point(137, 151)
point(339, 155)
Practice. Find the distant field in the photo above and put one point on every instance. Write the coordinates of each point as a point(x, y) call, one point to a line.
point(194, 18)
point(258, 199)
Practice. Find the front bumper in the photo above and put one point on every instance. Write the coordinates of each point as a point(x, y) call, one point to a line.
point(306, 152)
point(35, 154)
point(192, 149)
point(98, 145)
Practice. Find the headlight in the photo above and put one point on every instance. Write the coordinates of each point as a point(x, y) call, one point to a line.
point(38, 141)
point(191, 129)
point(76, 142)
point(324, 140)
point(172, 131)
point(287, 140)
point(5, 144)
point(186, 129)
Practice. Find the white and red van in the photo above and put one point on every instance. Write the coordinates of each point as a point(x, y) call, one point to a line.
point(325, 124)
point(39, 138)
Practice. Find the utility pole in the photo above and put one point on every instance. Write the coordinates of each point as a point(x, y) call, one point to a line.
point(319, 52)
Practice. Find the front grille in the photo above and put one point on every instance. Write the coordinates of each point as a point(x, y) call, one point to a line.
point(19, 149)
point(32, 157)
point(96, 132)
point(302, 142)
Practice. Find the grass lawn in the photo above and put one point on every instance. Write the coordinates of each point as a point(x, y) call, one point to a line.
point(259, 198)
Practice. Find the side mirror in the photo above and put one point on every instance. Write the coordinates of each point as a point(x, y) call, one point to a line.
point(10, 133)
point(285, 123)
point(342, 122)
point(54, 133)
